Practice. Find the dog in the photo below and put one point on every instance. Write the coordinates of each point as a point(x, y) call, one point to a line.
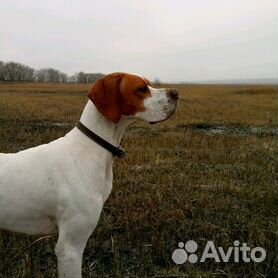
point(62, 186)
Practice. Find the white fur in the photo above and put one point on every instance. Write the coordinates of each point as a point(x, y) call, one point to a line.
point(62, 186)
point(158, 107)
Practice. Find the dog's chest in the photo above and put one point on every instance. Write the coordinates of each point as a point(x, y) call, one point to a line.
point(101, 181)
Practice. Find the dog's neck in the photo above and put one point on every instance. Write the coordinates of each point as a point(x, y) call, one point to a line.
point(96, 122)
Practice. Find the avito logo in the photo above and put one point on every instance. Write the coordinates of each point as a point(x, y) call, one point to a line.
point(236, 253)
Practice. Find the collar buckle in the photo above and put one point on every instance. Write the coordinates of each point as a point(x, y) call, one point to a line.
point(121, 152)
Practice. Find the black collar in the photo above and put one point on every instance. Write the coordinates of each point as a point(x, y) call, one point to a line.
point(109, 147)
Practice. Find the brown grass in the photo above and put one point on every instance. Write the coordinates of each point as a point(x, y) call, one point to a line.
point(180, 180)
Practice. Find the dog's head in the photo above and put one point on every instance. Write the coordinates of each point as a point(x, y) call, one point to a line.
point(120, 95)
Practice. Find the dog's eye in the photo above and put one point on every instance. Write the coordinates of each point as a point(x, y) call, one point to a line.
point(143, 89)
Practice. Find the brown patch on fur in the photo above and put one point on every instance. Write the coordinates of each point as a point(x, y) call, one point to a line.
point(119, 94)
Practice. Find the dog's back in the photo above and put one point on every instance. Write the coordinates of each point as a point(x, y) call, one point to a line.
point(27, 199)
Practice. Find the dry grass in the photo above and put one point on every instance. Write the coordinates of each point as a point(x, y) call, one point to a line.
point(180, 180)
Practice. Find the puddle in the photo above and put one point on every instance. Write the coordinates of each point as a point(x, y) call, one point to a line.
point(232, 129)
point(34, 125)
point(57, 124)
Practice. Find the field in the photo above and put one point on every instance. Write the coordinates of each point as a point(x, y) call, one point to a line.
point(209, 173)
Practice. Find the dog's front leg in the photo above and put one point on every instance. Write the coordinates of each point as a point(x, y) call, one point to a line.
point(73, 235)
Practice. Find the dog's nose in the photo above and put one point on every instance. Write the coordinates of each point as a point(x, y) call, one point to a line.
point(173, 93)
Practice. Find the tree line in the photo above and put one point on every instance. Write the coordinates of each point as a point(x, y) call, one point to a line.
point(17, 72)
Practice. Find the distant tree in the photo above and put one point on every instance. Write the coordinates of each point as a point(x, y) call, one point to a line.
point(63, 77)
point(93, 77)
point(28, 74)
point(41, 75)
point(157, 82)
point(52, 75)
point(12, 71)
point(81, 77)
point(72, 79)
point(2, 71)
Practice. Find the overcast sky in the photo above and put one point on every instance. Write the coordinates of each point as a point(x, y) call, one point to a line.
point(174, 40)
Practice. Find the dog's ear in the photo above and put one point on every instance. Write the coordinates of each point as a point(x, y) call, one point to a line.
point(106, 96)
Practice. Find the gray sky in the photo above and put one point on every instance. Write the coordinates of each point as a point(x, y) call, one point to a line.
point(174, 40)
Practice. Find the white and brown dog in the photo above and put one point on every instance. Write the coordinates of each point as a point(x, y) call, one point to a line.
point(62, 186)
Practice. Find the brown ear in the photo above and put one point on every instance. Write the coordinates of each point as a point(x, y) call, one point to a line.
point(105, 94)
